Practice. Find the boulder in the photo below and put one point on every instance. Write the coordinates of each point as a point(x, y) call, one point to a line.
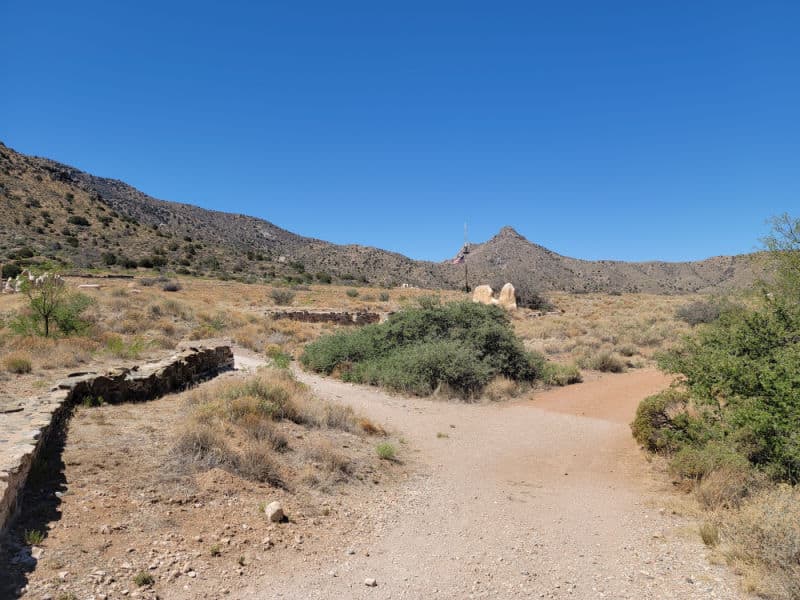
point(508, 297)
point(482, 294)
point(274, 512)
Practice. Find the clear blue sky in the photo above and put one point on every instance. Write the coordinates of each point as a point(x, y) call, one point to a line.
point(628, 130)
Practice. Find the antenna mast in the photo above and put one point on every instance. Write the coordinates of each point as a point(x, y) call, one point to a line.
point(465, 251)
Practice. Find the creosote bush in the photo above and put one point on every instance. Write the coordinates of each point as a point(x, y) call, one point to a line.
point(456, 348)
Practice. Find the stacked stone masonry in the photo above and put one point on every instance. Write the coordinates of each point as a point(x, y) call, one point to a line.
point(26, 428)
point(322, 316)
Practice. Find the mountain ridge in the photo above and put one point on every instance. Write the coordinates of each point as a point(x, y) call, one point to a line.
point(66, 215)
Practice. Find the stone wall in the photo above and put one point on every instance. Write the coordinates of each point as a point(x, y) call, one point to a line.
point(25, 432)
point(327, 316)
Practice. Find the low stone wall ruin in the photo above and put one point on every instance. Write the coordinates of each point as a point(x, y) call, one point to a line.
point(327, 316)
point(26, 431)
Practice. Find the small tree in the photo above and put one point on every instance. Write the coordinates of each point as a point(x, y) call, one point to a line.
point(51, 306)
point(46, 296)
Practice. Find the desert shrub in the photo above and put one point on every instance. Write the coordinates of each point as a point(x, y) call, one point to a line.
point(17, 362)
point(500, 388)
point(604, 361)
point(729, 485)
point(323, 277)
point(460, 346)
point(11, 270)
point(171, 286)
point(698, 312)
point(352, 292)
point(143, 578)
point(764, 535)
point(78, 220)
point(697, 462)
point(279, 358)
point(119, 348)
point(661, 421)
point(386, 451)
point(256, 463)
point(281, 296)
point(421, 368)
point(235, 425)
point(559, 374)
point(383, 296)
point(745, 370)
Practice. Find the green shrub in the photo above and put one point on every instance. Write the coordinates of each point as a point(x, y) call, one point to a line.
point(383, 296)
point(459, 346)
point(558, 374)
point(744, 369)
point(386, 451)
point(279, 358)
point(661, 421)
point(692, 462)
point(352, 292)
point(143, 578)
point(33, 537)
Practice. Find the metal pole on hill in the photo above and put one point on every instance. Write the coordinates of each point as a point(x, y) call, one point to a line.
point(465, 251)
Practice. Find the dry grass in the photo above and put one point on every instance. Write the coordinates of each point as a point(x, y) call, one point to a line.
point(18, 363)
point(501, 388)
point(587, 325)
point(245, 427)
point(762, 538)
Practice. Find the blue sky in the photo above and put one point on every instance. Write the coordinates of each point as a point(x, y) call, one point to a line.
point(625, 130)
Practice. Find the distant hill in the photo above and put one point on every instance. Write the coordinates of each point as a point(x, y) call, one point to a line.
point(53, 212)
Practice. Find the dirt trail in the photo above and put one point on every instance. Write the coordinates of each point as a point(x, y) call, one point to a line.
point(543, 498)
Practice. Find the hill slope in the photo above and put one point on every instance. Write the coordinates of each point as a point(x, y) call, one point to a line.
point(54, 212)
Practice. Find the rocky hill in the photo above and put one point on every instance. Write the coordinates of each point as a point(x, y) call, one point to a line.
point(54, 213)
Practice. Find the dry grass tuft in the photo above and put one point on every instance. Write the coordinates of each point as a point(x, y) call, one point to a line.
point(242, 427)
point(764, 536)
point(18, 363)
point(370, 428)
point(501, 388)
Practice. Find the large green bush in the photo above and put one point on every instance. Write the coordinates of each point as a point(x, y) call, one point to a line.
point(741, 375)
point(461, 346)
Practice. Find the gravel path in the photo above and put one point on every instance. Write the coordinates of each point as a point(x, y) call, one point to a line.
point(544, 498)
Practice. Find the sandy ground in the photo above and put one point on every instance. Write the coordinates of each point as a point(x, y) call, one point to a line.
point(546, 498)
point(540, 498)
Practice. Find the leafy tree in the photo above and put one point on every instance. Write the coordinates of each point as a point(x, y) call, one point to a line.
point(51, 306)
